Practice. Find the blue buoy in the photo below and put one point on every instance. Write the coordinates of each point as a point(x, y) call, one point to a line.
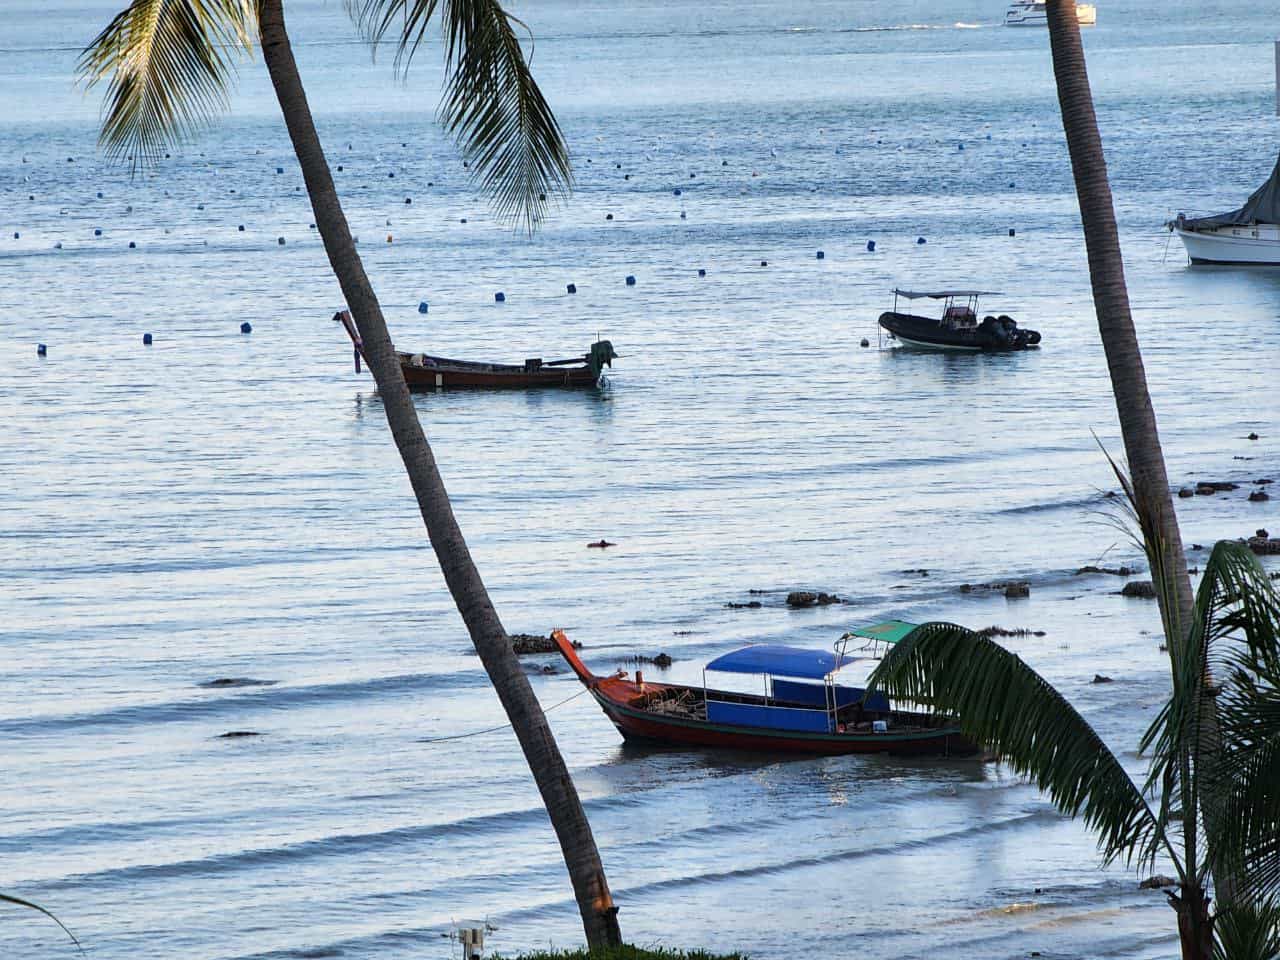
point(58, 245)
point(132, 245)
point(683, 215)
point(422, 307)
point(391, 176)
point(1012, 184)
point(41, 350)
point(626, 176)
point(16, 235)
point(608, 216)
point(280, 240)
point(241, 228)
point(764, 263)
point(97, 232)
point(199, 206)
point(921, 240)
point(988, 136)
point(702, 272)
point(146, 339)
point(339, 168)
point(408, 200)
point(960, 146)
point(631, 281)
point(279, 169)
point(871, 246)
point(571, 288)
point(676, 191)
point(99, 194)
point(692, 175)
point(1012, 232)
point(821, 256)
point(500, 297)
point(246, 327)
point(311, 226)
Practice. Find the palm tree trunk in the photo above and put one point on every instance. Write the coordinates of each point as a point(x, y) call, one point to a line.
point(1152, 496)
point(1111, 302)
point(1195, 926)
point(582, 858)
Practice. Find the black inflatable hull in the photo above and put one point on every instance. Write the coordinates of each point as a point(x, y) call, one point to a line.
point(991, 336)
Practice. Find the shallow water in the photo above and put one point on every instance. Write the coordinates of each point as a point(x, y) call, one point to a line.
point(228, 506)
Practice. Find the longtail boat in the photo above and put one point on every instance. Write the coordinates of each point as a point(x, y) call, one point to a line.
point(804, 708)
point(425, 372)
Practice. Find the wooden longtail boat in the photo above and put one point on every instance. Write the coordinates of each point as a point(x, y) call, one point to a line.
point(425, 372)
point(803, 709)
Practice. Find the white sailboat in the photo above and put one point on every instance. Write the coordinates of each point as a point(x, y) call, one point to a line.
point(1248, 236)
point(1034, 13)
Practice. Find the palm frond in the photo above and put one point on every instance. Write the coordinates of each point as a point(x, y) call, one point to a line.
point(1247, 769)
point(18, 901)
point(169, 64)
point(1008, 707)
point(1247, 932)
point(492, 105)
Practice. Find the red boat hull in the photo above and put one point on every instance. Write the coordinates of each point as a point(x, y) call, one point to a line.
point(641, 727)
point(446, 375)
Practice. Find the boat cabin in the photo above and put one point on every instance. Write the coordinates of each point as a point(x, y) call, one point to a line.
point(814, 691)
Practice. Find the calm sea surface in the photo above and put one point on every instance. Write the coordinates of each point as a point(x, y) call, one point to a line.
point(229, 506)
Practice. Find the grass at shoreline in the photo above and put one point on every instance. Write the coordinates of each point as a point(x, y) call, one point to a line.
point(624, 952)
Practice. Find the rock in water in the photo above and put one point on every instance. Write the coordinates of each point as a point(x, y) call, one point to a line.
point(1100, 678)
point(1017, 590)
point(806, 598)
point(1142, 589)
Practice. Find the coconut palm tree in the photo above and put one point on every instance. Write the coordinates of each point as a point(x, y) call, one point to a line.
point(1115, 321)
point(168, 64)
point(1006, 706)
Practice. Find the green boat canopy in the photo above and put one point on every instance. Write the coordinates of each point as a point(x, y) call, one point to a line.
point(891, 631)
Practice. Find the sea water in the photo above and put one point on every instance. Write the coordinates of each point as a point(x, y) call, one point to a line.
point(221, 506)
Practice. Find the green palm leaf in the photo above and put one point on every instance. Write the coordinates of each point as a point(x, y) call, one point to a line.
point(6, 898)
point(169, 63)
point(1248, 768)
point(491, 105)
point(1007, 706)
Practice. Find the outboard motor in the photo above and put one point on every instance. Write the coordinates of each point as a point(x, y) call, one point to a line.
point(601, 356)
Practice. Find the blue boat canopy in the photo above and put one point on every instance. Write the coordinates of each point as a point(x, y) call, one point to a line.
point(779, 661)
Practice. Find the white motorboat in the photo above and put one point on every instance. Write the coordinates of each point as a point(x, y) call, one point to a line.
point(1248, 236)
point(1034, 13)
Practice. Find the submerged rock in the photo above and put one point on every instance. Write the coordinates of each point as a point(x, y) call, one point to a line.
point(237, 734)
point(994, 631)
point(1017, 589)
point(1142, 589)
point(749, 605)
point(662, 660)
point(1101, 678)
point(1185, 492)
point(1158, 882)
point(1207, 488)
point(1263, 544)
point(236, 682)
point(1114, 571)
point(806, 598)
point(527, 643)
point(1258, 496)
point(601, 544)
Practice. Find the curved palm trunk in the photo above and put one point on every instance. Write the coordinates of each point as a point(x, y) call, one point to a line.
point(1151, 494)
point(599, 915)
